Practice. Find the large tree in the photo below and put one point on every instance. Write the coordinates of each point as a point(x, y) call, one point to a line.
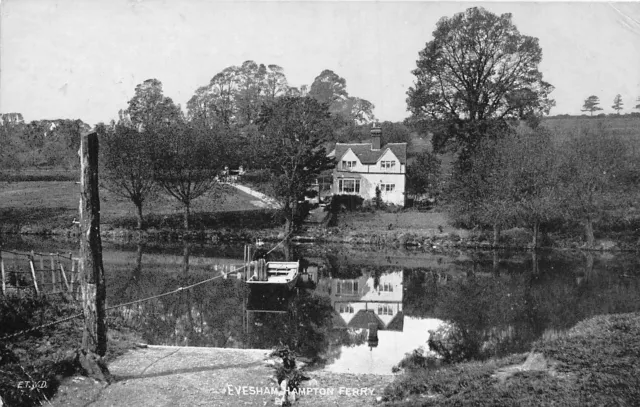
point(478, 68)
point(331, 88)
point(234, 96)
point(617, 103)
point(295, 130)
point(591, 104)
point(150, 108)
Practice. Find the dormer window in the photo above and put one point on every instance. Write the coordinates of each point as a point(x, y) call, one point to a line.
point(348, 165)
point(387, 165)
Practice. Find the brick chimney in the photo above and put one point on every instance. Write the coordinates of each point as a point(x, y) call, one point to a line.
point(376, 132)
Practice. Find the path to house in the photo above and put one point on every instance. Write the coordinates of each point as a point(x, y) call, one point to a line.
point(190, 376)
point(263, 201)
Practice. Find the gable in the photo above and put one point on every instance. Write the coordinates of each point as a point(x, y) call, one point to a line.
point(367, 156)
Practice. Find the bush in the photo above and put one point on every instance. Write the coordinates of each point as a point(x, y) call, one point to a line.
point(347, 202)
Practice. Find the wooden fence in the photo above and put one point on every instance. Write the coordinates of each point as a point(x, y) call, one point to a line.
point(44, 273)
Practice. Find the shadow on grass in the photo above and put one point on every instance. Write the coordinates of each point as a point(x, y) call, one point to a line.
point(43, 219)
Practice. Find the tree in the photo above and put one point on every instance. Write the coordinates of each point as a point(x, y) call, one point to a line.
point(638, 105)
point(234, 96)
point(329, 87)
point(527, 178)
point(187, 162)
point(149, 108)
point(477, 69)
point(423, 175)
point(617, 103)
point(594, 161)
point(127, 159)
point(591, 104)
point(295, 130)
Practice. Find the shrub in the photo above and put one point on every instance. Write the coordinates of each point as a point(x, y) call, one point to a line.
point(347, 202)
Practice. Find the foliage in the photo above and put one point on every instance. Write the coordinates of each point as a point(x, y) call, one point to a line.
point(591, 104)
point(127, 160)
point(477, 68)
point(345, 201)
point(597, 173)
point(617, 103)
point(331, 89)
point(295, 130)
point(235, 95)
point(187, 162)
point(149, 109)
point(424, 174)
point(40, 356)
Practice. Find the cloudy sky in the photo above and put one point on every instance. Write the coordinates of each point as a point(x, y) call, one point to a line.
point(83, 59)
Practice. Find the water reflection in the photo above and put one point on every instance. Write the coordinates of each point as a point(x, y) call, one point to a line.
point(501, 301)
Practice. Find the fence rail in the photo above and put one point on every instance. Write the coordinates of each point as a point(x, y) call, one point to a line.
point(49, 273)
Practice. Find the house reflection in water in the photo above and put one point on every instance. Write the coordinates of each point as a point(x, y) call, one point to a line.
point(361, 304)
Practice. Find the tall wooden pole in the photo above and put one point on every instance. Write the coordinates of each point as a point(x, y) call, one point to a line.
point(91, 272)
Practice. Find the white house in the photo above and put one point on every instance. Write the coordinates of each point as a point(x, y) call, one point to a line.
point(361, 167)
point(359, 302)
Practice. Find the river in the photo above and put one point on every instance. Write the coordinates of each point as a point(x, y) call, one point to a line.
point(502, 301)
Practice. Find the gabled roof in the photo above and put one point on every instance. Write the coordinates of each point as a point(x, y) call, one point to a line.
point(368, 156)
point(397, 323)
point(363, 318)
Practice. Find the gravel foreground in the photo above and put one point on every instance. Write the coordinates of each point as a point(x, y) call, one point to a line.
point(188, 376)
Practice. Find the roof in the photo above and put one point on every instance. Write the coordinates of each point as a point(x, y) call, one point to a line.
point(368, 156)
point(363, 318)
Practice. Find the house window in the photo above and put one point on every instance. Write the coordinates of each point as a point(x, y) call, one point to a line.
point(346, 309)
point(349, 186)
point(385, 309)
point(386, 287)
point(348, 165)
point(347, 287)
point(387, 165)
point(387, 187)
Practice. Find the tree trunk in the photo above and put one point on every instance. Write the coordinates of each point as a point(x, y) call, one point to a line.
point(534, 262)
point(139, 213)
point(288, 225)
point(496, 262)
point(186, 217)
point(496, 234)
point(185, 258)
point(536, 232)
point(588, 231)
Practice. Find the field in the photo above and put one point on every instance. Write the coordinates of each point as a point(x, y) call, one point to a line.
point(54, 204)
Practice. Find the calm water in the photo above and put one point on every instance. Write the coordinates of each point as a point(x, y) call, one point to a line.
point(502, 301)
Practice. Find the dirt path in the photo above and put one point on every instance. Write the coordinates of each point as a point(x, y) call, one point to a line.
point(174, 376)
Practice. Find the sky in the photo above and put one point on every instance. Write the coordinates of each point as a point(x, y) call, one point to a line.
point(82, 59)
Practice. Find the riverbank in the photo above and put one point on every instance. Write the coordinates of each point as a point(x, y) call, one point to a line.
point(593, 364)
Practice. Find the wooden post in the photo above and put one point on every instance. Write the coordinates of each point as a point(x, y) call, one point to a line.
point(33, 274)
point(64, 277)
point(4, 281)
point(53, 274)
point(91, 271)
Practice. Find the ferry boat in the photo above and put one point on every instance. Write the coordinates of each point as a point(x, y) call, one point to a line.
point(273, 274)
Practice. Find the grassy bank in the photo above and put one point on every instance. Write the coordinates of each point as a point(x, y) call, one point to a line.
point(593, 364)
point(33, 364)
point(433, 229)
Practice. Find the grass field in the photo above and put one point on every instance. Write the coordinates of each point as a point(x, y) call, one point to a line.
point(54, 204)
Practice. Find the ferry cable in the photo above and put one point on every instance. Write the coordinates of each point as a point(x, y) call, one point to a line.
point(36, 328)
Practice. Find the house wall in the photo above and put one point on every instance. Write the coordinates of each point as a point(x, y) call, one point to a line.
point(372, 176)
point(369, 182)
